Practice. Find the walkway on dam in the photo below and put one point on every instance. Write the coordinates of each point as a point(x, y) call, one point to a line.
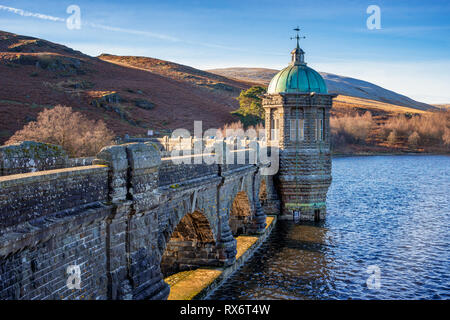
point(198, 283)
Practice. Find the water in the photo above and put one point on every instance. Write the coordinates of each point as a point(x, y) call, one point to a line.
point(389, 211)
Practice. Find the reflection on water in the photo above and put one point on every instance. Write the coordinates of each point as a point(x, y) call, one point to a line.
point(389, 211)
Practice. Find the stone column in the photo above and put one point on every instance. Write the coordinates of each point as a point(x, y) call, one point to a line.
point(226, 244)
point(259, 217)
point(145, 274)
point(115, 157)
point(272, 204)
point(132, 258)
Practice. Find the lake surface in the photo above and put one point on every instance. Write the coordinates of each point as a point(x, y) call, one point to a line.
point(388, 212)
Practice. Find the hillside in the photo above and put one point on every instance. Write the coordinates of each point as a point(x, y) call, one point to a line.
point(38, 74)
point(336, 84)
point(203, 79)
point(135, 94)
point(257, 75)
point(442, 106)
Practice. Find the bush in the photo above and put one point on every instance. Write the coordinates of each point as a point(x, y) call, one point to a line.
point(350, 129)
point(251, 111)
point(236, 127)
point(79, 136)
point(414, 139)
point(446, 137)
point(392, 137)
point(431, 128)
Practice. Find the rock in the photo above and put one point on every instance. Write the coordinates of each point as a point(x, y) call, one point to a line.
point(30, 156)
point(144, 104)
point(30, 118)
point(66, 65)
point(220, 86)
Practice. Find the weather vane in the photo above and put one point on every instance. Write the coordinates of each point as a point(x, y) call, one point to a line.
point(297, 36)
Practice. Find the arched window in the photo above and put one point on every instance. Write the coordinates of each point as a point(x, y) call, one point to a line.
point(275, 127)
point(297, 129)
point(320, 126)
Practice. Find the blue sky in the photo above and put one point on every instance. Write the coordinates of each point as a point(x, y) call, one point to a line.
point(409, 54)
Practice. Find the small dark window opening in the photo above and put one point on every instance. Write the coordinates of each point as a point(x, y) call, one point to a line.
point(316, 215)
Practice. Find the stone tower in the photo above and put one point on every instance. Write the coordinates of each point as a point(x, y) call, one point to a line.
point(297, 116)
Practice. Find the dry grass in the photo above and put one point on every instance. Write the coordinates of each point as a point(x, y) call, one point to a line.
point(347, 101)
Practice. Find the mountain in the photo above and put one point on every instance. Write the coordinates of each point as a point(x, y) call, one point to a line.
point(207, 80)
point(257, 75)
point(336, 84)
point(135, 94)
point(160, 95)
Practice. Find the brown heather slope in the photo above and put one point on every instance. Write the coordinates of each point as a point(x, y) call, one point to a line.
point(36, 74)
point(211, 82)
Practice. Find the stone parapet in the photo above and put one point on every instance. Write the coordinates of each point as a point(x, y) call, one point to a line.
point(31, 156)
point(113, 222)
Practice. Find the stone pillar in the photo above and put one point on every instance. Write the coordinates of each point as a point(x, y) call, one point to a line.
point(226, 243)
point(259, 217)
point(132, 230)
point(115, 157)
point(144, 273)
point(272, 204)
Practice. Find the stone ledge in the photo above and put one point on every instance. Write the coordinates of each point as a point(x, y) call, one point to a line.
point(40, 176)
point(189, 184)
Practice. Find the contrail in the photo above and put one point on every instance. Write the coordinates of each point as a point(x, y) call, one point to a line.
point(131, 31)
point(24, 13)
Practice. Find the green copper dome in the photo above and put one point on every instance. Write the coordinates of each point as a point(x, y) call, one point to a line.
point(297, 77)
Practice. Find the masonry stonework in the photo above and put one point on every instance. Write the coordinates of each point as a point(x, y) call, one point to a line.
point(305, 162)
point(297, 116)
point(121, 221)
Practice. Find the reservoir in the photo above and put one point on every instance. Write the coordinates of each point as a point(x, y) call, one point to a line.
point(388, 219)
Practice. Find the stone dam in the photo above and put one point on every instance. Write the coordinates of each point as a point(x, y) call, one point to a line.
point(123, 220)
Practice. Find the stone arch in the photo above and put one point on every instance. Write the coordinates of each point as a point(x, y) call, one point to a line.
point(240, 214)
point(192, 244)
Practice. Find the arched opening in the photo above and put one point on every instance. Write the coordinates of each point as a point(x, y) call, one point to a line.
point(241, 214)
point(192, 245)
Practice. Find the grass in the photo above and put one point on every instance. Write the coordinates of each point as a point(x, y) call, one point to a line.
point(347, 101)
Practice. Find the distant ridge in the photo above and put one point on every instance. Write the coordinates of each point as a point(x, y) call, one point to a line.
point(336, 84)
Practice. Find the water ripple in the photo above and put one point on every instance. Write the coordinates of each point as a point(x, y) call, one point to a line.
point(388, 211)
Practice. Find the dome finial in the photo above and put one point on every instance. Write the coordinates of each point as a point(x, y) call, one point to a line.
point(298, 55)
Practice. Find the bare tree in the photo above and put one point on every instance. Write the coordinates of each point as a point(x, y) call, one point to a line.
point(60, 125)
